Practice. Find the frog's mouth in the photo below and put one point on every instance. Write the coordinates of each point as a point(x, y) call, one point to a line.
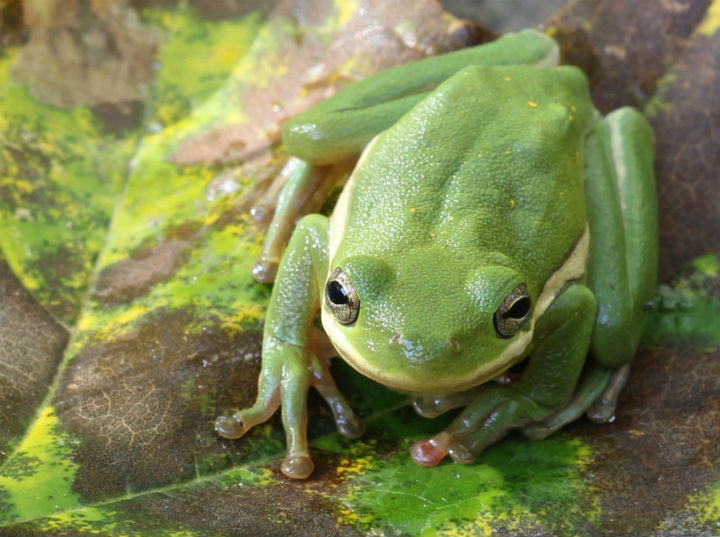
point(572, 269)
point(405, 381)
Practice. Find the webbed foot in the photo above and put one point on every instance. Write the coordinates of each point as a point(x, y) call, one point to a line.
point(493, 412)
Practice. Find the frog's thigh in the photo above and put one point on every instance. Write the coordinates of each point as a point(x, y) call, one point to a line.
point(622, 214)
point(343, 124)
point(548, 381)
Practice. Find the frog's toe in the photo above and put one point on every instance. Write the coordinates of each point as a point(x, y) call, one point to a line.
point(265, 271)
point(262, 212)
point(602, 411)
point(427, 406)
point(430, 452)
point(230, 427)
point(539, 430)
point(467, 447)
point(352, 427)
point(297, 466)
point(463, 453)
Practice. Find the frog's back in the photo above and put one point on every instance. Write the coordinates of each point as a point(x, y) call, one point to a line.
point(488, 166)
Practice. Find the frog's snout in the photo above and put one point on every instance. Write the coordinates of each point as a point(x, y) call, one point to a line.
point(423, 350)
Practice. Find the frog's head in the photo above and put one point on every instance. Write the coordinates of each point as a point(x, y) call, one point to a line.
point(428, 321)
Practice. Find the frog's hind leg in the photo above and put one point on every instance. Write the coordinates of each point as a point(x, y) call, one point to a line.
point(622, 214)
point(624, 257)
point(622, 270)
point(304, 189)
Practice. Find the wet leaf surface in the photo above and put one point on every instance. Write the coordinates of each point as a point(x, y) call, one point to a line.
point(129, 318)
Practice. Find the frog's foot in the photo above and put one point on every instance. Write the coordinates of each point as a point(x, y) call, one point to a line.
point(230, 427)
point(297, 463)
point(596, 395)
point(490, 416)
point(242, 421)
point(591, 386)
point(602, 410)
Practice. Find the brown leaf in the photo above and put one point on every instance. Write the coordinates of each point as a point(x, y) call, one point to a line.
point(385, 35)
point(686, 119)
point(136, 403)
point(661, 446)
point(31, 347)
point(627, 48)
point(624, 47)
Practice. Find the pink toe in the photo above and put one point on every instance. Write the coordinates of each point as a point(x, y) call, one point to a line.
point(425, 453)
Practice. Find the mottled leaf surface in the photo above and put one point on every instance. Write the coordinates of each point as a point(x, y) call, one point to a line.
point(135, 138)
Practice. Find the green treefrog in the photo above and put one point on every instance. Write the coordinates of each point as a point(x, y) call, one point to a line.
point(494, 220)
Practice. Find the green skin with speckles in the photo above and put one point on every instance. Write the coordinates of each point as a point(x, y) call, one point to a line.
point(494, 215)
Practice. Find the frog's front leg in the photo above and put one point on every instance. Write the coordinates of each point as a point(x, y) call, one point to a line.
point(289, 363)
point(563, 334)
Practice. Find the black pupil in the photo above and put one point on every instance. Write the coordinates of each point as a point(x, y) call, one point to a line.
point(336, 293)
point(519, 309)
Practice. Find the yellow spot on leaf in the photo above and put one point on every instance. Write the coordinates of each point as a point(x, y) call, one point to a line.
point(711, 510)
point(512, 203)
point(413, 210)
point(570, 117)
point(533, 104)
point(451, 218)
point(711, 22)
point(346, 11)
point(508, 79)
point(354, 465)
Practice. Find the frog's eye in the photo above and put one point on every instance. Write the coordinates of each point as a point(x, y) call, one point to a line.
point(341, 298)
point(513, 313)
